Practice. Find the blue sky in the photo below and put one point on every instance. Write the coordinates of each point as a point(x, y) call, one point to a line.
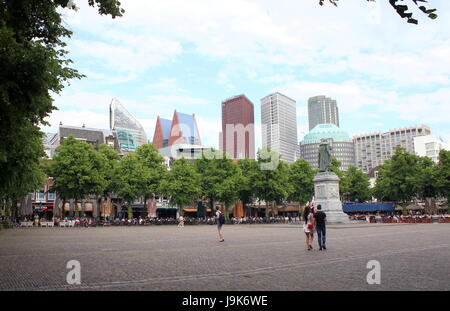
point(191, 55)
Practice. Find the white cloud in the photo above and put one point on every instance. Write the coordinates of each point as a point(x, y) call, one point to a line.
point(74, 117)
point(428, 108)
point(362, 54)
point(82, 100)
point(350, 95)
point(209, 131)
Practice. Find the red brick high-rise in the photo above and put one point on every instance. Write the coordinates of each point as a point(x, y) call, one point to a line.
point(238, 133)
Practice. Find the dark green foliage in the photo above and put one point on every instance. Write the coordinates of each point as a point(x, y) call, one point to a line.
point(355, 185)
point(129, 178)
point(181, 184)
point(443, 174)
point(249, 174)
point(154, 169)
point(219, 177)
point(33, 67)
point(273, 184)
point(301, 176)
point(78, 170)
point(406, 176)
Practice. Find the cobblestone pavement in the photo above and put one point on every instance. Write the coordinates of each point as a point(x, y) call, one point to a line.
point(253, 257)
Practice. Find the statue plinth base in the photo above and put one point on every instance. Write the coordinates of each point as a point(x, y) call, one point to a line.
point(326, 193)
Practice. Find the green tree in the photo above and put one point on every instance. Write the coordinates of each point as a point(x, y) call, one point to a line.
point(111, 159)
point(443, 174)
point(219, 178)
point(401, 9)
point(249, 175)
point(301, 176)
point(23, 172)
point(273, 184)
point(228, 189)
point(336, 167)
point(130, 177)
point(154, 167)
point(397, 177)
point(426, 179)
point(355, 185)
point(33, 66)
point(181, 184)
point(77, 170)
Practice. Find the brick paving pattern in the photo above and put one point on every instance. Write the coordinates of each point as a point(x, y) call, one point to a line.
point(253, 257)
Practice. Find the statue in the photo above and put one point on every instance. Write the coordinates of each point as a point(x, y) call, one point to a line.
point(324, 156)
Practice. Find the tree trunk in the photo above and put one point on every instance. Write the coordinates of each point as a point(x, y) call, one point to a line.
point(129, 211)
point(211, 204)
point(75, 210)
point(14, 209)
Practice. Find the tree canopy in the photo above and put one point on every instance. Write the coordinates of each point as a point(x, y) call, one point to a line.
point(33, 67)
point(355, 185)
point(77, 170)
point(401, 9)
point(301, 176)
point(182, 183)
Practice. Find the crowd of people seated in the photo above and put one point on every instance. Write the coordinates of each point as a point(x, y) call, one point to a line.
point(146, 221)
point(413, 217)
point(202, 221)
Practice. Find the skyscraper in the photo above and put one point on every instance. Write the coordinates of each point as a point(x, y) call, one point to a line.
point(182, 129)
point(238, 129)
point(322, 110)
point(279, 125)
point(130, 132)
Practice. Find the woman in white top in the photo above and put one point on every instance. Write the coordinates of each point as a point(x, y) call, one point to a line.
point(308, 226)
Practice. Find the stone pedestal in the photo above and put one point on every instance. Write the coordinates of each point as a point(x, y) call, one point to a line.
point(326, 193)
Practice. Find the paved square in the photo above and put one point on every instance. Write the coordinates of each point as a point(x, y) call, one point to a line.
point(253, 257)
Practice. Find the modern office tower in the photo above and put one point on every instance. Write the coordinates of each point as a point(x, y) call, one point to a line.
point(429, 146)
point(279, 125)
point(182, 129)
point(322, 110)
point(178, 137)
point(162, 132)
point(340, 142)
point(371, 150)
point(131, 132)
point(238, 128)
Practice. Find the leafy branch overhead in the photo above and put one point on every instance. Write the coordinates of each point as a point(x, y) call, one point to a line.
point(401, 9)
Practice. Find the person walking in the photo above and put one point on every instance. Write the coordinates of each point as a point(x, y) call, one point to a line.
point(308, 226)
point(320, 220)
point(181, 222)
point(220, 220)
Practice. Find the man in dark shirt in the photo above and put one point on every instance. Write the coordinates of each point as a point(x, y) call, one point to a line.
point(320, 227)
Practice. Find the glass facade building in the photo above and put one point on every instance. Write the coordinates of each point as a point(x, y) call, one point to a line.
point(322, 110)
point(279, 125)
point(121, 120)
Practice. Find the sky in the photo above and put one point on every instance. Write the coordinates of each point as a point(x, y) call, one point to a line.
point(191, 55)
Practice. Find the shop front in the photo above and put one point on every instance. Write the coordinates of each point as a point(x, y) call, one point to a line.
point(43, 209)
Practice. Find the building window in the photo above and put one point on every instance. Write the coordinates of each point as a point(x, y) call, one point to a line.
point(51, 195)
point(41, 195)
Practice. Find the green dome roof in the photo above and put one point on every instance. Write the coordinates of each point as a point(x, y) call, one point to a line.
point(325, 131)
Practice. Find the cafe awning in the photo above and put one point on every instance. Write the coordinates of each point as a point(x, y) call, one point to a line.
point(190, 210)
